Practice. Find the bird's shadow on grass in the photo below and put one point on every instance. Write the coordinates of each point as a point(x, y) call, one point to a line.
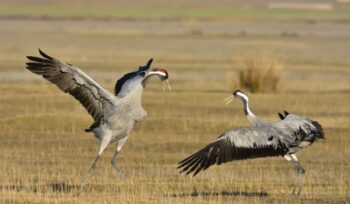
point(63, 187)
point(55, 187)
point(222, 193)
point(16, 188)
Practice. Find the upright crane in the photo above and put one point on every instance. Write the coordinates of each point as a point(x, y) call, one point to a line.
point(114, 115)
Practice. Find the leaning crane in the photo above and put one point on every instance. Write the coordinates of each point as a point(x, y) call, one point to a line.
point(261, 139)
point(114, 115)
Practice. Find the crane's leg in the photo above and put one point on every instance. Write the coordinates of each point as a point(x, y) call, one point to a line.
point(300, 171)
point(114, 164)
point(105, 141)
point(92, 169)
point(114, 159)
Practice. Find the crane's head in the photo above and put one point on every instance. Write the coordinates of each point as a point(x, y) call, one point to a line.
point(236, 94)
point(161, 73)
point(239, 94)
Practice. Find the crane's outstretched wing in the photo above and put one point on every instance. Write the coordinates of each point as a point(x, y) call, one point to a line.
point(72, 80)
point(237, 144)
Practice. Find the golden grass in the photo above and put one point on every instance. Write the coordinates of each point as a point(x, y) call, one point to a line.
point(45, 153)
point(259, 73)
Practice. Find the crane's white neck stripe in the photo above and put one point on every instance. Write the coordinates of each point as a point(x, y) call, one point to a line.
point(157, 72)
point(245, 97)
point(251, 117)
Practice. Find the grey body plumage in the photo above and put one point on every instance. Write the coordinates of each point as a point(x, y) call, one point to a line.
point(114, 115)
point(261, 139)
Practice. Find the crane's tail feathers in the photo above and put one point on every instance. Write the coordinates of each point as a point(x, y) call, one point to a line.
point(317, 131)
point(311, 133)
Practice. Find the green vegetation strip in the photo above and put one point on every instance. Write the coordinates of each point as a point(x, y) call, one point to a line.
point(215, 13)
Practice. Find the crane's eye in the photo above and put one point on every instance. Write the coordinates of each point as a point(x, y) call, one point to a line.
point(143, 73)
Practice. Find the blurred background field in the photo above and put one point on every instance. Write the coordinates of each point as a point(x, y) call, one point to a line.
point(45, 153)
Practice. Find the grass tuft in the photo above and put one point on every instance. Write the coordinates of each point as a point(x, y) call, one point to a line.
point(259, 74)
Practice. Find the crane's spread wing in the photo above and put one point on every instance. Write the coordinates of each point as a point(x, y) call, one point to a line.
point(237, 144)
point(72, 80)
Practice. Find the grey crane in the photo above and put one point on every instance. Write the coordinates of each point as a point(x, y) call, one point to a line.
point(261, 139)
point(114, 115)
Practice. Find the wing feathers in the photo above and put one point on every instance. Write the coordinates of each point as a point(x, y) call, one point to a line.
point(224, 150)
point(286, 136)
point(73, 81)
point(45, 55)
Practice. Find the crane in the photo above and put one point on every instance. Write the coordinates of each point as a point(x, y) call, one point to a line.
point(261, 139)
point(114, 115)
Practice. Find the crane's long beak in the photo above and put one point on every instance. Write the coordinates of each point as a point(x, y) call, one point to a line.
point(166, 83)
point(228, 99)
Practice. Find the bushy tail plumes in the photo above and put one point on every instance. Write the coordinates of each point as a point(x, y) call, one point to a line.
point(311, 133)
point(316, 132)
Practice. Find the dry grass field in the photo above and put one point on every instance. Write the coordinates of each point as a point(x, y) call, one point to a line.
point(45, 153)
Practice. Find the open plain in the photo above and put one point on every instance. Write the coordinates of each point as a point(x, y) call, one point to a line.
point(45, 153)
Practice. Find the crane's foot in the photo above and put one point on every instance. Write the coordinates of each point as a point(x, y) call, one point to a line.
point(121, 174)
point(114, 164)
point(91, 171)
point(299, 184)
point(300, 173)
point(296, 191)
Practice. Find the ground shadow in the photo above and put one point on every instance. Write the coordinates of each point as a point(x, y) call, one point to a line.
point(222, 193)
point(56, 187)
point(63, 187)
point(17, 188)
